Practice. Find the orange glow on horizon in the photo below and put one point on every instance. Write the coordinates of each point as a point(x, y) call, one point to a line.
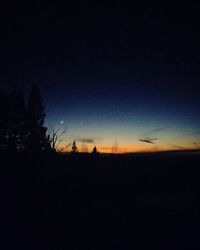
point(123, 148)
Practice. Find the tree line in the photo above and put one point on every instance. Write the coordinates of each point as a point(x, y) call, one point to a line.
point(22, 126)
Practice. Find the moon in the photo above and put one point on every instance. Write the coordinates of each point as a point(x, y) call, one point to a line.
point(61, 122)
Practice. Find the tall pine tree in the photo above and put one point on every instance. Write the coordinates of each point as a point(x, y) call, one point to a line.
point(16, 121)
point(36, 132)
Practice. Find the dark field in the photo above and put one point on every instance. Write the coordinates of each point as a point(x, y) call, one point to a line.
point(102, 202)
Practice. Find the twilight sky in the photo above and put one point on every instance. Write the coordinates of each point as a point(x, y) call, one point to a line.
point(118, 75)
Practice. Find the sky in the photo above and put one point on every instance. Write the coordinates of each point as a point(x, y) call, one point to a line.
point(120, 75)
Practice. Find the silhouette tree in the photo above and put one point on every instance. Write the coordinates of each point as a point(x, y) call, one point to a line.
point(115, 147)
point(74, 147)
point(94, 150)
point(36, 132)
point(22, 128)
point(16, 118)
point(12, 115)
point(20, 119)
point(56, 136)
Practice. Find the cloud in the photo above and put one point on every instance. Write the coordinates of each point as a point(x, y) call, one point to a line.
point(150, 136)
point(148, 140)
point(87, 140)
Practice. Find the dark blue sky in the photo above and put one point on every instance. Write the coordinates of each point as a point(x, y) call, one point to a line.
point(111, 70)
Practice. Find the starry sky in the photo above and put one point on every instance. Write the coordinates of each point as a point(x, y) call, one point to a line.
point(121, 76)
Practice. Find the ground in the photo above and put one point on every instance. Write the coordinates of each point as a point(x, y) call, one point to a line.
point(101, 202)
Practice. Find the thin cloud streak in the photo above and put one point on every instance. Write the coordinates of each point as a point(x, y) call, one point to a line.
point(88, 140)
point(148, 140)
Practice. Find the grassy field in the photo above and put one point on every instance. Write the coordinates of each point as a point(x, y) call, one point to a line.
point(148, 201)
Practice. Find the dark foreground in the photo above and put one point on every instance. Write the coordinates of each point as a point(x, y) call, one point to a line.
point(84, 202)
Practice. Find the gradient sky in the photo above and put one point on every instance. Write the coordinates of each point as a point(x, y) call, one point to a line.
point(114, 73)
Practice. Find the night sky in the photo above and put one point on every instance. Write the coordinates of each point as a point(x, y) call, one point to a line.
point(122, 76)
